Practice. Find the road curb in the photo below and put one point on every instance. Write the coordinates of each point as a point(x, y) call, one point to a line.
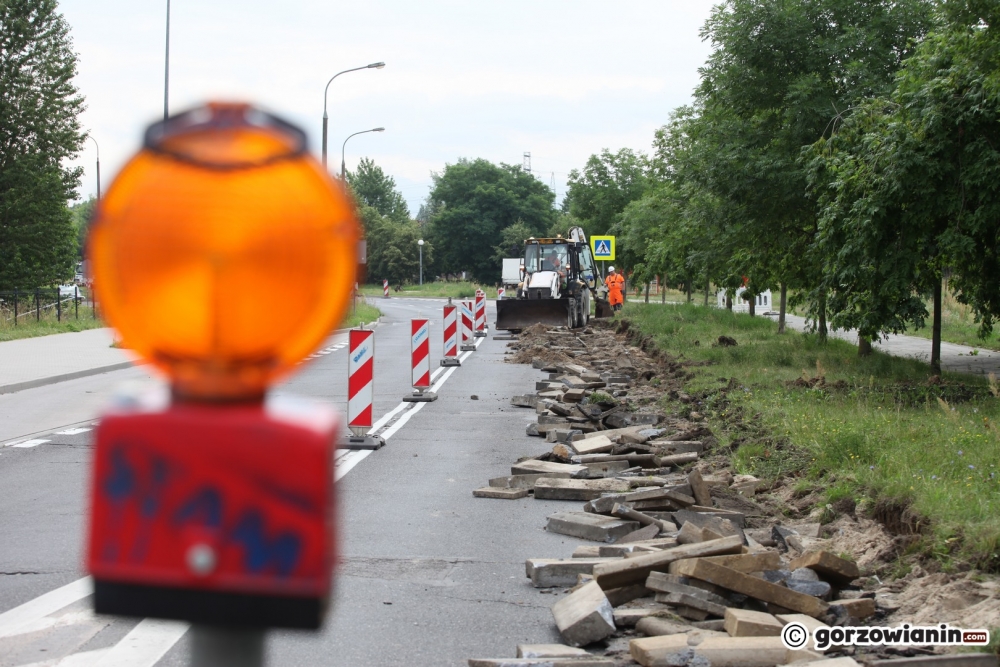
point(54, 379)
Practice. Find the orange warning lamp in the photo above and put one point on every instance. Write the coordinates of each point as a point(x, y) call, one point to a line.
point(223, 253)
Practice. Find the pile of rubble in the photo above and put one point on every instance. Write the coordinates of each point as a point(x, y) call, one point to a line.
point(681, 566)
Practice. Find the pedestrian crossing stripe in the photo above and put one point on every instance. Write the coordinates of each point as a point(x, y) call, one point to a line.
point(603, 247)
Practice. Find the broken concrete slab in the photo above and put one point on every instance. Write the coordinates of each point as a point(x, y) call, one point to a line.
point(946, 660)
point(628, 618)
point(595, 527)
point(717, 651)
point(747, 623)
point(669, 447)
point(524, 401)
point(642, 535)
point(577, 489)
point(690, 534)
point(594, 444)
point(747, 563)
point(832, 568)
point(536, 467)
point(500, 492)
point(584, 616)
point(607, 469)
point(549, 651)
point(592, 661)
point(666, 583)
point(745, 584)
point(588, 551)
point(676, 459)
point(697, 602)
point(549, 572)
point(524, 481)
point(819, 589)
point(699, 489)
point(619, 596)
point(636, 570)
point(657, 627)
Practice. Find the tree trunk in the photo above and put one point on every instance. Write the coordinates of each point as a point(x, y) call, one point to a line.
point(663, 290)
point(752, 305)
point(687, 286)
point(781, 310)
point(707, 286)
point(647, 293)
point(822, 318)
point(864, 346)
point(729, 301)
point(936, 328)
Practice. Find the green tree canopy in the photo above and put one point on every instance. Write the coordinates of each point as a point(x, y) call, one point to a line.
point(39, 129)
point(373, 187)
point(473, 202)
point(608, 182)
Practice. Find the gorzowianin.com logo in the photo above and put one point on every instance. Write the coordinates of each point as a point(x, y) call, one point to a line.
point(796, 636)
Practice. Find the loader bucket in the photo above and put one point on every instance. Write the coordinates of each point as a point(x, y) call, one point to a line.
point(517, 314)
point(603, 308)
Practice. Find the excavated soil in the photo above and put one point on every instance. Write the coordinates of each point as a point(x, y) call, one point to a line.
point(875, 538)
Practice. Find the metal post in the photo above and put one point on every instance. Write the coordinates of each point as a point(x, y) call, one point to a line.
point(378, 65)
point(76, 300)
point(226, 647)
point(421, 246)
point(343, 148)
point(16, 296)
point(58, 305)
point(38, 307)
point(166, 70)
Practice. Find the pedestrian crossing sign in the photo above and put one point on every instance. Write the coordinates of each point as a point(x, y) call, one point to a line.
point(603, 247)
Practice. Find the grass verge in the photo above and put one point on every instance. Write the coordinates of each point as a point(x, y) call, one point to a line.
point(29, 328)
point(362, 313)
point(923, 458)
point(455, 290)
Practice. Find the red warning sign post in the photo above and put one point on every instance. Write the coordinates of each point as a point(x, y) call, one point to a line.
point(360, 389)
point(420, 362)
point(450, 335)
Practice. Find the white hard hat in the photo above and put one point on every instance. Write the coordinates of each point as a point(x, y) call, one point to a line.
point(611, 268)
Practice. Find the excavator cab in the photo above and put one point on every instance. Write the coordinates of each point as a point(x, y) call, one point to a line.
point(559, 281)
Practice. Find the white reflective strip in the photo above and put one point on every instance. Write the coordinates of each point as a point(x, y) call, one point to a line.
point(73, 431)
point(29, 612)
point(28, 443)
point(360, 401)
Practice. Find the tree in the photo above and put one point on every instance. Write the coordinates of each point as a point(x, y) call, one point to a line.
point(910, 187)
point(393, 253)
point(781, 71)
point(39, 129)
point(473, 202)
point(373, 187)
point(512, 241)
point(608, 182)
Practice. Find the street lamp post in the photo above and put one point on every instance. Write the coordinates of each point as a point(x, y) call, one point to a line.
point(91, 137)
point(343, 170)
point(420, 244)
point(378, 65)
point(166, 69)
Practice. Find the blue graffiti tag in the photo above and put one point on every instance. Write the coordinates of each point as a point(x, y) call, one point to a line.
point(259, 553)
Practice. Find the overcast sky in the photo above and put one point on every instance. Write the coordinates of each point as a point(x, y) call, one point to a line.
point(561, 80)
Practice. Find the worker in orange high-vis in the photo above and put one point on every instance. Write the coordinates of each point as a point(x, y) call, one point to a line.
point(615, 283)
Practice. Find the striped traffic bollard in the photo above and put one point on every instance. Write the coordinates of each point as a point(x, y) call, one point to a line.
point(420, 362)
point(385, 289)
point(501, 292)
point(480, 313)
point(466, 326)
point(360, 388)
point(450, 333)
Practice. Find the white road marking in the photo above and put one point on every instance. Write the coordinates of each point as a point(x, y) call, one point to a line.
point(151, 639)
point(11, 622)
point(145, 645)
point(73, 431)
point(27, 443)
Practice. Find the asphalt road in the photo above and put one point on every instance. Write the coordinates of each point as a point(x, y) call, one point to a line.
point(429, 574)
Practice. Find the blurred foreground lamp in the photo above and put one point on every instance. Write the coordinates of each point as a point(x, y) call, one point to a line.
point(223, 254)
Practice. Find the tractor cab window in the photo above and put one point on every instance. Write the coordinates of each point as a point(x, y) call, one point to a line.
point(532, 258)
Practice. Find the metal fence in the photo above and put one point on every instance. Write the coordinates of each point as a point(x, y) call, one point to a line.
point(18, 307)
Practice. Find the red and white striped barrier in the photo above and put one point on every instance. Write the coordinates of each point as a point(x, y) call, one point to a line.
point(480, 313)
point(420, 361)
point(501, 292)
point(360, 389)
point(466, 325)
point(360, 379)
point(450, 333)
point(385, 288)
